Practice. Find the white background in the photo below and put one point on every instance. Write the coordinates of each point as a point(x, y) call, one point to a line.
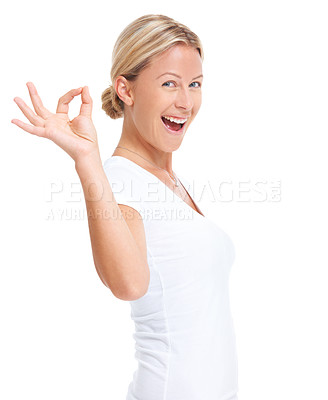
point(263, 119)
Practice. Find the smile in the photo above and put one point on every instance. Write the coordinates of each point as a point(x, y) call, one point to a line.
point(174, 125)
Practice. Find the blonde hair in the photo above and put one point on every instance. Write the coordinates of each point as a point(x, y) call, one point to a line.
point(137, 44)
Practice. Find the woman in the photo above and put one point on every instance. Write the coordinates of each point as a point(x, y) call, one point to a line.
point(152, 246)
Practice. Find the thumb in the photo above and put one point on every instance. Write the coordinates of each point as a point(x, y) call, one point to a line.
point(86, 107)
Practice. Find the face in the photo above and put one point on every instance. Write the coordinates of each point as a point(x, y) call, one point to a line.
point(170, 86)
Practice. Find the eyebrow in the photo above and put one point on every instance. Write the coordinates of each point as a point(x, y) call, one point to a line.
point(172, 73)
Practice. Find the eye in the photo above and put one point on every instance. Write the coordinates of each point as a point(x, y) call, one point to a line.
point(168, 82)
point(199, 84)
point(164, 84)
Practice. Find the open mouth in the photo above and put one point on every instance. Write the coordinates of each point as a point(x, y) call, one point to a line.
point(173, 126)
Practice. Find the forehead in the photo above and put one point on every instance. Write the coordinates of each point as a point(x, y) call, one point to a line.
point(181, 59)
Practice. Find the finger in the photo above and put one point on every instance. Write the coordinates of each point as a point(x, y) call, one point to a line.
point(86, 107)
point(35, 130)
point(64, 101)
point(36, 101)
point(28, 112)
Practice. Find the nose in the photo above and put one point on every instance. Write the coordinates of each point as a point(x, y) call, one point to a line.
point(184, 99)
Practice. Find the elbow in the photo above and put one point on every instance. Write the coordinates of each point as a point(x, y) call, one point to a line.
point(132, 293)
point(130, 290)
point(127, 297)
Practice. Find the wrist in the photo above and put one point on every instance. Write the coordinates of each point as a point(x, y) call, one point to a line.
point(89, 161)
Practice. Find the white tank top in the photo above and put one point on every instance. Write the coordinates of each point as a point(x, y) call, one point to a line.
point(184, 333)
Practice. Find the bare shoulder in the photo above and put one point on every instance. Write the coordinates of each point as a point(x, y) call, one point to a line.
point(136, 226)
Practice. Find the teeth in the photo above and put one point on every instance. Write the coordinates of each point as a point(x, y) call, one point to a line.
point(178, 121)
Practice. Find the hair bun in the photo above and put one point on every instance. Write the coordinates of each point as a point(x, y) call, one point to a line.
point(111, 103)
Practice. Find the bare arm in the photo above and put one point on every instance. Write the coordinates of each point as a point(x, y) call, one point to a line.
point(119, 255)
point(118, 244)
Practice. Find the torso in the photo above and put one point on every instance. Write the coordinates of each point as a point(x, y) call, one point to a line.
point(178, 190)
point(184, 334)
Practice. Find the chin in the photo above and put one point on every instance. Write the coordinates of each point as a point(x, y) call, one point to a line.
point(173, 147)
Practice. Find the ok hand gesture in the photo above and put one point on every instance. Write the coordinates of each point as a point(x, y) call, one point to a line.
point(77, 137)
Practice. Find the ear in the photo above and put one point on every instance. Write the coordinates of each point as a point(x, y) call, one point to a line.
point(124, 90)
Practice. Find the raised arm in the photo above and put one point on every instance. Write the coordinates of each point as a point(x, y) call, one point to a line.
point(118, 244)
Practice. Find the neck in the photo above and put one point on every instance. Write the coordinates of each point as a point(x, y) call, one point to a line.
point(132, 140)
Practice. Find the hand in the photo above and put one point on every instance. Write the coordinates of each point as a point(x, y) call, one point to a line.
point(77, 137)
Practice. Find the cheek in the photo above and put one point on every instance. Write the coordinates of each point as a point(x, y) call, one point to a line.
point(142, 111)
point(149, 105)
point(147, 118)
point(198, 103)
